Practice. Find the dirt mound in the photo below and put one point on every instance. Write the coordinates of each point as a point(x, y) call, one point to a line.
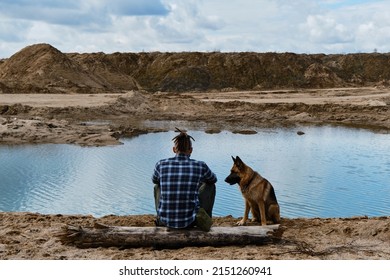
point(318, 75)
point(42, 68)
point(197, 71)
point(108, 69)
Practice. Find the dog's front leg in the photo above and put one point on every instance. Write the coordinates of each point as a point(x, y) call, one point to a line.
point(246, 213)
point(262, 213)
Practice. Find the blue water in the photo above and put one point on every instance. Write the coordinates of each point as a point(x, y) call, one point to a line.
point(328, 172)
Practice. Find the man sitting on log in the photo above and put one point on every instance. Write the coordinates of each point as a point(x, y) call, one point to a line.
point(184, 189)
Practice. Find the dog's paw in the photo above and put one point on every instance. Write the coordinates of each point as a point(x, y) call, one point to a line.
point(241, 223)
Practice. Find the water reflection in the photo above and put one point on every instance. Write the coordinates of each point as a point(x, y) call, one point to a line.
point(327, 172)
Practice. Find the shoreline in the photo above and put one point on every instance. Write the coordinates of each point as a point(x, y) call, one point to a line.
point(107, 117)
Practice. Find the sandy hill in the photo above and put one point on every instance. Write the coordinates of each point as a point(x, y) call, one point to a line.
point(43, 68)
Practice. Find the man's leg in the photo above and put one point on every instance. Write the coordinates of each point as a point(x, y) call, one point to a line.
point(156, 196)
point(207, 197)
point(156, 203)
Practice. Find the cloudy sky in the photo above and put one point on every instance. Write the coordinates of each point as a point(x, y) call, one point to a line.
point(300, 26)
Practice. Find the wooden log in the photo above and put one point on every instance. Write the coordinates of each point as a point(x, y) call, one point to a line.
point(162, 237)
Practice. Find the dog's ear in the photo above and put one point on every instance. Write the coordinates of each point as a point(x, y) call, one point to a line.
point(240, 164)
point(234, 160)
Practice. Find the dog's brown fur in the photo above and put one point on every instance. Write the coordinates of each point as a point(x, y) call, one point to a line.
point(258, 193)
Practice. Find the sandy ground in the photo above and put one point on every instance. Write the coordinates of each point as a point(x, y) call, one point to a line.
point(32, 236)
point(349, 96)
point(102, 119)
point(59, 100)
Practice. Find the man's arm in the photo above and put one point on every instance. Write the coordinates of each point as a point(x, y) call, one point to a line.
point(209, 177)
point(156, 174)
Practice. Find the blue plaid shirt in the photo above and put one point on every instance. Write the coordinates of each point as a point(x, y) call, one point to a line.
point(180, 178)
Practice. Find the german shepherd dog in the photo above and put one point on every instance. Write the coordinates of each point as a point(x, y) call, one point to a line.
point(258, 193)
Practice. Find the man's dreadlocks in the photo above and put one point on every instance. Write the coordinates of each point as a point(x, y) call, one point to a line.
point(182, 141)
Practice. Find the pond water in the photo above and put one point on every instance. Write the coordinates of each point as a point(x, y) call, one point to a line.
point(327, 172)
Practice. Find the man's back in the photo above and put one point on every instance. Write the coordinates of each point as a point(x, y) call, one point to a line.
point(179, 178)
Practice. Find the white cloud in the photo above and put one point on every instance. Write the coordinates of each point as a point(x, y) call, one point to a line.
point(10, 32)
point(327, 30)
point(350, 28)
point(302, 26)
